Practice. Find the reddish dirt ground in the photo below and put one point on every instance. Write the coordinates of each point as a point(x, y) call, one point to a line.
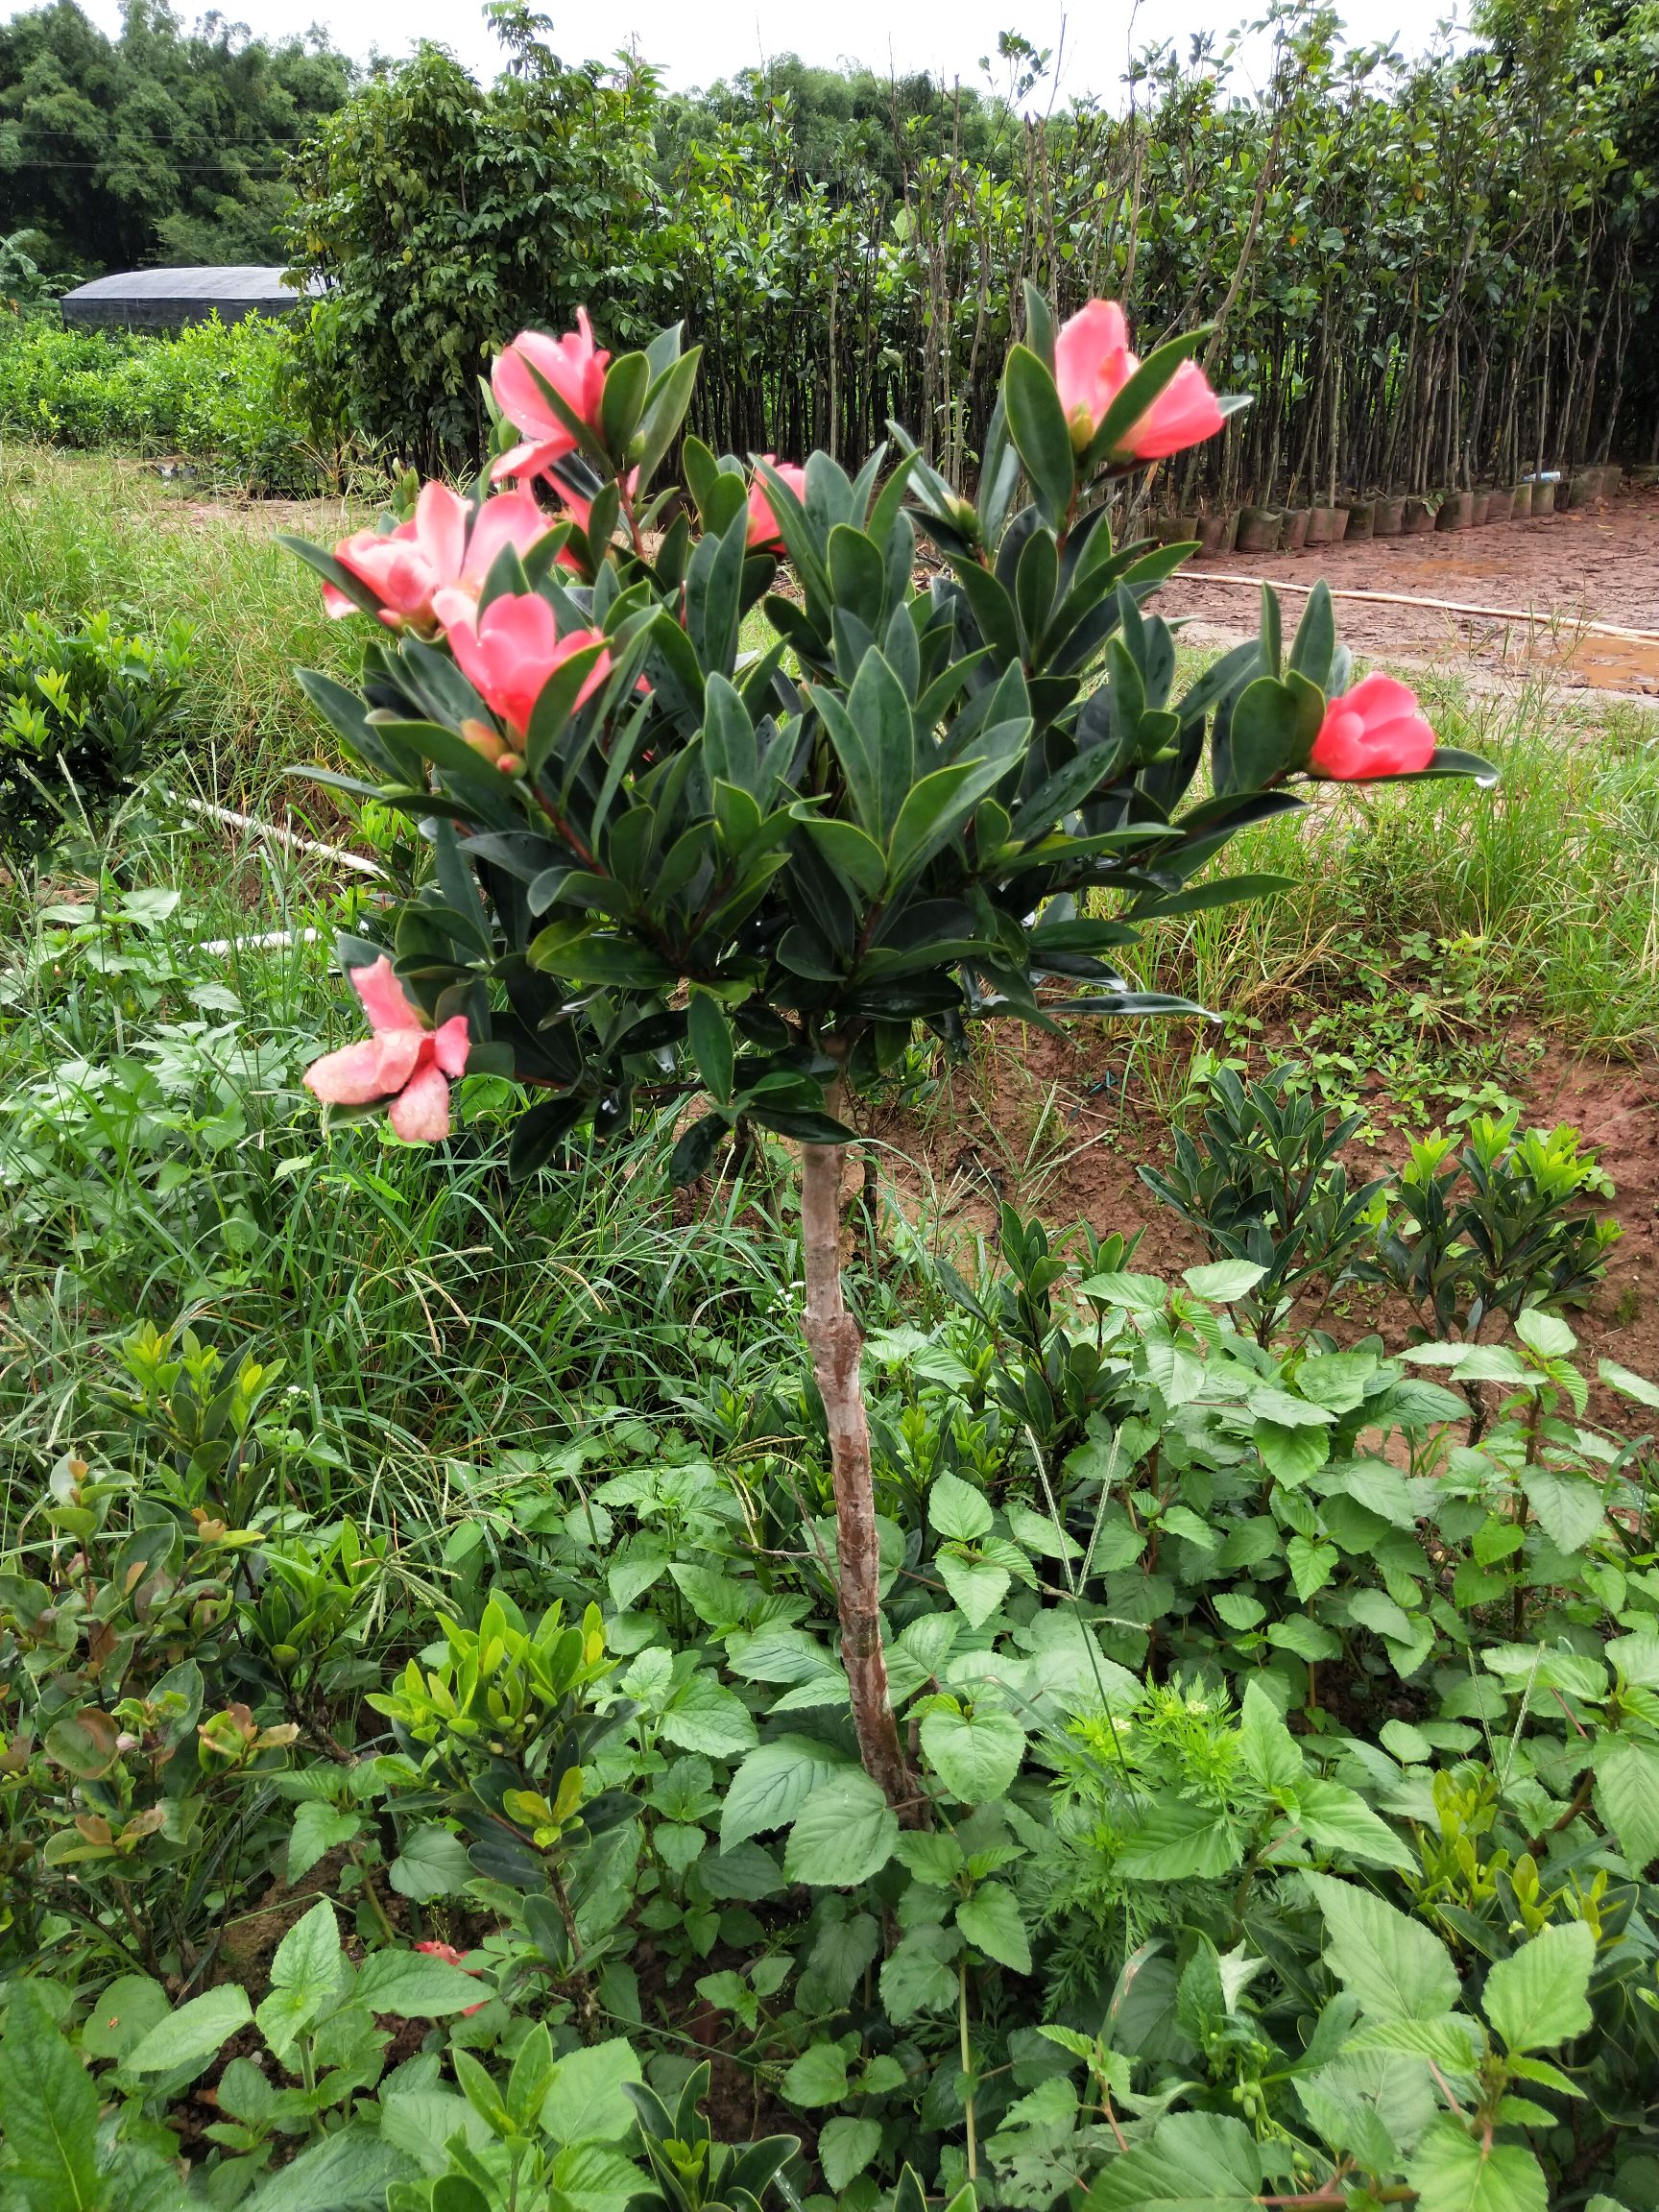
point(1600, 564)
point(952, 1169)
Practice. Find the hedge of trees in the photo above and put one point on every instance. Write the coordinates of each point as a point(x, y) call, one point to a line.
point(160, 144)
point(1431, 271)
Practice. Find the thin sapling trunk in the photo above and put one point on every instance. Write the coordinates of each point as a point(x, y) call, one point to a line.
point(835, 1342)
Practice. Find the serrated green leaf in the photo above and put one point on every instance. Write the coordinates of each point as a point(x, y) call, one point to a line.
point(919, 1976)
point(818, 2077)
point(1452, 2172)
point(774, 1783)
point(991, 1919)
point(316, 1830)
point(977, 1586)
point(1392, 1965)
point(415, 1985)
point(192, 2035)
point(1334, 1819)
point(846, 2147)
point(1539, 1995)
point(1627, 1795)
point(48, 2112)
point(977, 1755)
point(844, 1833)
point(1196, 2162)
point(958, 1510)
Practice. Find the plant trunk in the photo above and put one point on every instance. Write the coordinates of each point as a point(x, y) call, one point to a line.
point(835, 1341)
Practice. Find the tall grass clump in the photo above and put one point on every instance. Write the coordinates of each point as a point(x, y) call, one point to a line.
point(1553, 882)
point(96, 531)
point(158, 1164)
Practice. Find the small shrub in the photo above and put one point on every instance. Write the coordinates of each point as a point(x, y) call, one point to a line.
point(1262, 1183)
point(1488, 1228)
point(80, 713)
point(221, 394)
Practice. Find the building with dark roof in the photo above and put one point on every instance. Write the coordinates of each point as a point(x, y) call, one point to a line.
point(168, 299)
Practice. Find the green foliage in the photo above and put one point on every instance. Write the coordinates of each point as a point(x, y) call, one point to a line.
point(1264, 1185)
point(159, 144)
point(1286, 1714)
point(222, 395)
point(82, 712)
point(1486, 1227)
point(1415, 253)
point(446, 216)
point(932, 819)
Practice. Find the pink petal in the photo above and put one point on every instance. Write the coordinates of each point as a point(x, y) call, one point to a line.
point(441, 530)
point(372, 1069)
point(525, 459)
point(382, 997)
point(451, 1043)
point(1380, 698)
point(351, 1077)
point(510, 519)
point(420, 1113)
point(335, 602)
point(1091, 359)
point(1183, 414)
point(456, 610)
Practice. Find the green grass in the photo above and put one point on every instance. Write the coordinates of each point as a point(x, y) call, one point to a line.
point(85, 530)
point(1548, 885)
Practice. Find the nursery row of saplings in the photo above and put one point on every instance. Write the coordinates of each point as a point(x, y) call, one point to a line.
point(1260, 528)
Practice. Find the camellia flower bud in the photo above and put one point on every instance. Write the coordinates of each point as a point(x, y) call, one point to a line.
point(1091, 365)
point(765, 534)
point(510, 652)
point(1377, 729)
point(573, 366)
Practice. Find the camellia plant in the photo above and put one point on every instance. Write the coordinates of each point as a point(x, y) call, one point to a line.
point(657, 857)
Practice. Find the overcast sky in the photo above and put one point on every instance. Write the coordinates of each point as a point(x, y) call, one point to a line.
point(699, 40)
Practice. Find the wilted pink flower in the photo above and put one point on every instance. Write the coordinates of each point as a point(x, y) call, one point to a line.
point(435, 551)
point(1091, 365)
point(510, 651)
point(1377, 729)
point(765, 534)
point(452, 1958)
point(403, 1062)
point(575, 369)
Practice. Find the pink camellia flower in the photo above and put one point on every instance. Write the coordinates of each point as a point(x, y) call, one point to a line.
point(452, 1958)
point(434, 551)
point(1377, 729)
point(575, 369)
point(404, 1062)
point(1091, 365)
point(765, 534)
point(510, 651)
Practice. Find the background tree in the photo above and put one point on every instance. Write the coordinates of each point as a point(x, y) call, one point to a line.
point(447, 216)
point(159, 145)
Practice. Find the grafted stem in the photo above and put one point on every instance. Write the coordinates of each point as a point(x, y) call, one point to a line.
point(835, 1342)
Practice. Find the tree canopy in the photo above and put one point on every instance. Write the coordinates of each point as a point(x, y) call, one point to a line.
point(163, 144)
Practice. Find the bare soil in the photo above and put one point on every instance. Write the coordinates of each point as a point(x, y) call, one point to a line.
point(951, 1168)
point(1590, 565)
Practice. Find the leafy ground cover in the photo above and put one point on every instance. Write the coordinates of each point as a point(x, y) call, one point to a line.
point(225, 399)
point(1285, 1708)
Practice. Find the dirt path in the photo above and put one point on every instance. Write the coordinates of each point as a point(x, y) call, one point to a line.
point(1596, 565)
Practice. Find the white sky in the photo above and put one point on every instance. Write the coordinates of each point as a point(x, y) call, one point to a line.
point(699, 42)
